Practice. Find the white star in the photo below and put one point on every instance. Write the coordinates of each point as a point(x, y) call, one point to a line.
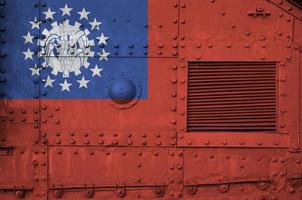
point(49, 14)
point(35, 70)
point(95, 24)
point(66, 10)
point(28, 38)
point(35, 24)
point(83, 82)
point(104, 55)
point(96, 71)
point(102, 39)
point(28, 54)
point(65, 86)
point(49, 82)
point(84, 14)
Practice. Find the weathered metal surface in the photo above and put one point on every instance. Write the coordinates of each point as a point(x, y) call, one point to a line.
point(141, 148)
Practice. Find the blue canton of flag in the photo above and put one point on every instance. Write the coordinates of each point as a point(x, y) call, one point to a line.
point(75, 49)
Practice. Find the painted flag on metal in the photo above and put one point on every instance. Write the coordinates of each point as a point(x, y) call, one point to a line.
point(75, 49)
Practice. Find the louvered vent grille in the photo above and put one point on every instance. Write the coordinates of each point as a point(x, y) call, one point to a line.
point(231, 97)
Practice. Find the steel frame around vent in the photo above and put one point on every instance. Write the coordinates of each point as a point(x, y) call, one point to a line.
point(279, 139)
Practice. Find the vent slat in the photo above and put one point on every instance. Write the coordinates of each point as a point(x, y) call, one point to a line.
point(238, 79)
point(231, 97)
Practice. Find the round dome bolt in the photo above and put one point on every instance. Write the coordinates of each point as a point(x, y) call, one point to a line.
point(160, 46)
point(291, 190)
point(241, 142)
point(175, 5)
point(224, 142)
point(210, 45)
point(189, 142)
point(72, 141)
point(115, 142)
point(183, 5)
point(101, 142)
point(139, 165)
point(171, 153)
point(259, 143)
point(86, 142)
point(175, 21)
point(86, 134)
point(211, 156)
point(122, 90)
point(183, 21)
point(155, 153)
point(115, 134)
point(228, 45)
point(206, 142)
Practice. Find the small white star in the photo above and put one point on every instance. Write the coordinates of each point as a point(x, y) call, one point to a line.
point(28, 38)
point(35, 70)
point(65, 86)
point(95, 24)
point(28, 54)
point(66, 10)
point(83, 82)
point(83, 14)
point(35, 24)
point(96, 71)
point(102, 39)
point(49, 14)
point(104, 55)
point(49, 82)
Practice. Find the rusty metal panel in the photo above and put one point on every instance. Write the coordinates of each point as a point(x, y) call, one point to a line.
point(100, 172)
point(227, 173)
point(68, 145)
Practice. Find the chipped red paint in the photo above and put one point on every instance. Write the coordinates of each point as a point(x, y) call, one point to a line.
point(80, 149)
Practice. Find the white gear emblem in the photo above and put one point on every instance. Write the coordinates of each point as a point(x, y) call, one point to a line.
point(68, 52)
point(66, 48)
